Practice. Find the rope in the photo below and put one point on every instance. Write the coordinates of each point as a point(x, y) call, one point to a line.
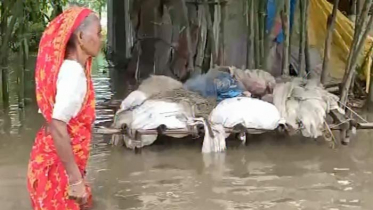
point(353, 112)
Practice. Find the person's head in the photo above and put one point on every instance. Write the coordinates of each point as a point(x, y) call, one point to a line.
point(86, 39)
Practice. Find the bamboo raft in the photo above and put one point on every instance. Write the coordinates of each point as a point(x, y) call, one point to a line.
point(341, 123)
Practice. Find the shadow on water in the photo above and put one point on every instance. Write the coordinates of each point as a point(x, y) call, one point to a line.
point(270, 173)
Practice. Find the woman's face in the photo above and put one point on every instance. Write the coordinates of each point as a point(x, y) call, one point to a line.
point(91, 38)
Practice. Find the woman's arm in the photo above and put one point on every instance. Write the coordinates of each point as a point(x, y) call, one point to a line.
point(62, 141)
point(71, 91)
point(76, 189)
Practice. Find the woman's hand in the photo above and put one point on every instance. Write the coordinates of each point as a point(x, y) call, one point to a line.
point(77, 191)
point(61, 138)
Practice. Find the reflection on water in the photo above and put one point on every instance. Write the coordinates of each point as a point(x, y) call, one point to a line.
point(270, 173)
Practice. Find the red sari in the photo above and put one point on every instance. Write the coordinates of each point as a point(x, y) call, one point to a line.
point(47, 178)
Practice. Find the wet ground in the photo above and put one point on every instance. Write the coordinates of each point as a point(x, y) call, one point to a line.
point(269, 173)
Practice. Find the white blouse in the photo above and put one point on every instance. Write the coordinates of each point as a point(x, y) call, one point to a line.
point(71, 91)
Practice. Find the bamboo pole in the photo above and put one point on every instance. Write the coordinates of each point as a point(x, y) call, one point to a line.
point(307, 50)
point(128, 29)
point(206, 64)
point(356, 53)
point(210, 32)
point(251, 55)
point(369, 102)
point(202, 41)
point(302, 39)
point(21, 71)
point(262, 30)
point(360, 21)
point(114, 131)
point(291, 28)
point(285, 24)
point(216, 31)
point(328, 41)
point(250, 34)
point(257, 34)
point(223, 11)
point(189, 38)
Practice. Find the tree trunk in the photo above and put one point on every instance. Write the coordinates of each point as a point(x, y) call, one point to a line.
point(329, 38)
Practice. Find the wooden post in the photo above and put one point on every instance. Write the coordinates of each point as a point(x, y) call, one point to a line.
point(328, 41)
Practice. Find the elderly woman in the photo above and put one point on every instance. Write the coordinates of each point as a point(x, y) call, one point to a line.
point(65, 97)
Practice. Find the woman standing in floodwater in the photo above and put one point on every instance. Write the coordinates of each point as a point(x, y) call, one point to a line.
point(65, 97)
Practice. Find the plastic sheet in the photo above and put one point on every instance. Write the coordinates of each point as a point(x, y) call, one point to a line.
point(218, 84)
point(342, 39)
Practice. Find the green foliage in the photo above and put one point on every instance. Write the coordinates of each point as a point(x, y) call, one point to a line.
point(23, 22)
point(96, 5)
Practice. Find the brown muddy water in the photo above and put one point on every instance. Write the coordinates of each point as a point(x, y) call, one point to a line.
point(269, 173)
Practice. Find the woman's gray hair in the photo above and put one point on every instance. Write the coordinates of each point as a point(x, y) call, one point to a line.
point(86, 22)
point(81, 28)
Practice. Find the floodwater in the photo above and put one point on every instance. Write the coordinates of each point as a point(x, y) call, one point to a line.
point(269, 173)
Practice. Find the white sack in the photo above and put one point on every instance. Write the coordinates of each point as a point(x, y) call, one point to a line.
point(250, 112)
point(135, 98)
point(152, 114)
